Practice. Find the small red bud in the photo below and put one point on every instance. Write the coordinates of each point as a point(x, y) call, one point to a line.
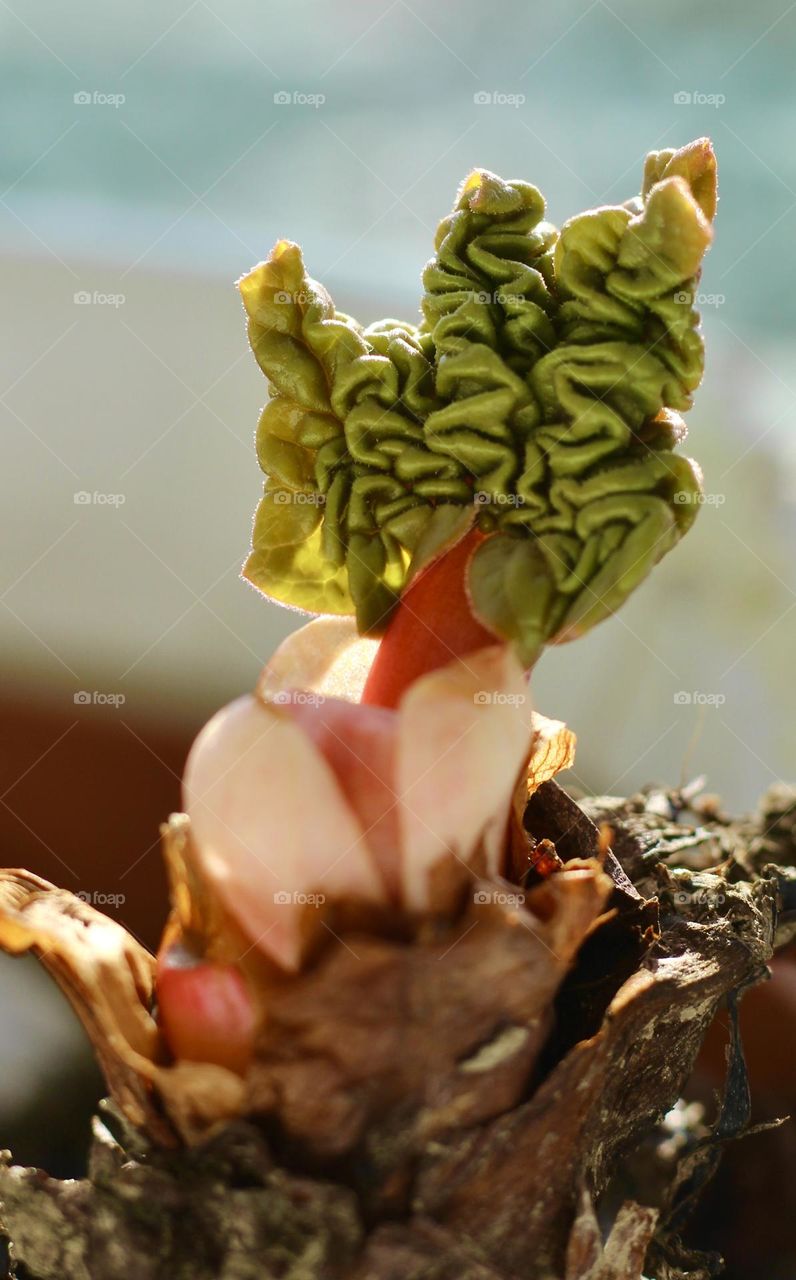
point(206, 1013)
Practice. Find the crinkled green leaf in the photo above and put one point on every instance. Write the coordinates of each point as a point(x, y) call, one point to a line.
point(446, 526)
point(488, 305)
point(288, 561)
point(538, 398)
point(513, 592)
point(696, 163)
point(344, 419)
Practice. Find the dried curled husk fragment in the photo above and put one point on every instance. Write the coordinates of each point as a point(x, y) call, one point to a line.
point(108, 978)
point(540, 398)
point(106, 974)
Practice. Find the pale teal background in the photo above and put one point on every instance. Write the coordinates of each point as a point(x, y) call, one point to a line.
point(169, 196)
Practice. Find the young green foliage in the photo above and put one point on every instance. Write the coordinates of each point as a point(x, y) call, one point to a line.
point(538, 398)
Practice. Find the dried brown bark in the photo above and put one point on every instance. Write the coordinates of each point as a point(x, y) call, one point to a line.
point(455, 1105)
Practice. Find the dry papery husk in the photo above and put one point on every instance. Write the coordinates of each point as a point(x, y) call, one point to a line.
point(447, 1103)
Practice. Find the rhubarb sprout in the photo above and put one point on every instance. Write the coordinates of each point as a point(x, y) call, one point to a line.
point(537, 402)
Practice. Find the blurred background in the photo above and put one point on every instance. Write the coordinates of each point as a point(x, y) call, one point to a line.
point(154, 153)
